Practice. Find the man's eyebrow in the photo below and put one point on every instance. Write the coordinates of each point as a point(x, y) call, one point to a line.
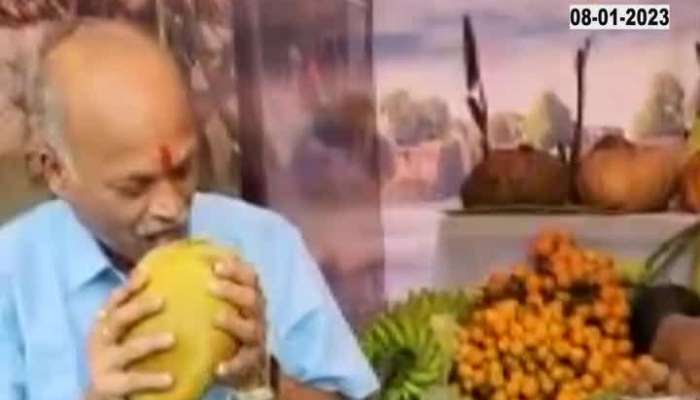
point(189, 156)
point(166, 158)
point(145, 177)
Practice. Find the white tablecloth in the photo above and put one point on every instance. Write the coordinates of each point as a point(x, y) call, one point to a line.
point(427, 248)
point(471, 246)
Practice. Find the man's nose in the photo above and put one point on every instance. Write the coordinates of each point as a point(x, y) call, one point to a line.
point(167, 203)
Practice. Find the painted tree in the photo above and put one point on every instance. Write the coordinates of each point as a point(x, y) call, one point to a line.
point(434, 117)
point(412, 121)
point(399, 109)
point(505, 129)
point(548, 123)
point(662, 112)
point(395, 106)
point(693, 111)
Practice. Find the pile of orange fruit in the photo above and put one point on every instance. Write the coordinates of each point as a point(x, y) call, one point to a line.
point(556, 329)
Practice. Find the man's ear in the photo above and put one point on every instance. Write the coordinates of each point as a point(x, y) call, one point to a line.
point(53, 168)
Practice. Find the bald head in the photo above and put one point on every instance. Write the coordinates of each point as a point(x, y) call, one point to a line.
point(107, 82)
point(116, 109)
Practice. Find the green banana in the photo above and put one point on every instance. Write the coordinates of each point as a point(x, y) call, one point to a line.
point(667, 252)
point(411, 344)
point(632, 272)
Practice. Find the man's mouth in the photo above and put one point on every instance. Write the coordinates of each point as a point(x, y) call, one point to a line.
point(165, 236)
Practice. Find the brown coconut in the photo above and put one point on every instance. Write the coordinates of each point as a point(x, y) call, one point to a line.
point(516, 176)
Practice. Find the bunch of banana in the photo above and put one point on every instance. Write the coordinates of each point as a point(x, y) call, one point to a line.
point(410, 345)
point(426, 303)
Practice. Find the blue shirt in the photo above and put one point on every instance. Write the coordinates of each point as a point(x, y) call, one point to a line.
point(54, 278)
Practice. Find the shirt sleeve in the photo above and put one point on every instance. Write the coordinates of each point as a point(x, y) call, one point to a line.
point(12, 383)
point(311, 339)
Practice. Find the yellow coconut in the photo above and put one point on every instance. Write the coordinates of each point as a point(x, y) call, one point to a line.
point(690, 185)
point(623, 176)
point(180, 273)
point(690, 175)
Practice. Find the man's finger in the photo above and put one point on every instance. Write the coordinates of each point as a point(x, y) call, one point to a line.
point(247, 330)
point(249, 360)
point(123, 294)
point(134, 382)
point(236, 270)
point(138, 348)
point(244, 298)
point(124, 317)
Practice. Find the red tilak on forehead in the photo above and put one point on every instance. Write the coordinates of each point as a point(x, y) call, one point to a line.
point(166, 158)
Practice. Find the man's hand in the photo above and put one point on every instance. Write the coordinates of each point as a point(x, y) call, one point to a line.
point(238, 285)
point(109, 356)
point(677, 343)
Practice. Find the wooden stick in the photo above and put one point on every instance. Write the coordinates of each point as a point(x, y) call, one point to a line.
point(476, 95)
point(581, 60)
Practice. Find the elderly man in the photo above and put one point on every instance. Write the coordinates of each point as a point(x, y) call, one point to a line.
point(119, 154)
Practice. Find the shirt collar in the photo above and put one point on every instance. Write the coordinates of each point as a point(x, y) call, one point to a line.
point(83, 258)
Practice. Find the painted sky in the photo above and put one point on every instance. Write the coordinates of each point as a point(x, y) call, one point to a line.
point(526, 47)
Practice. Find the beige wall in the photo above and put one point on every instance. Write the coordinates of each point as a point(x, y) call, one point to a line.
point(19, 188)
